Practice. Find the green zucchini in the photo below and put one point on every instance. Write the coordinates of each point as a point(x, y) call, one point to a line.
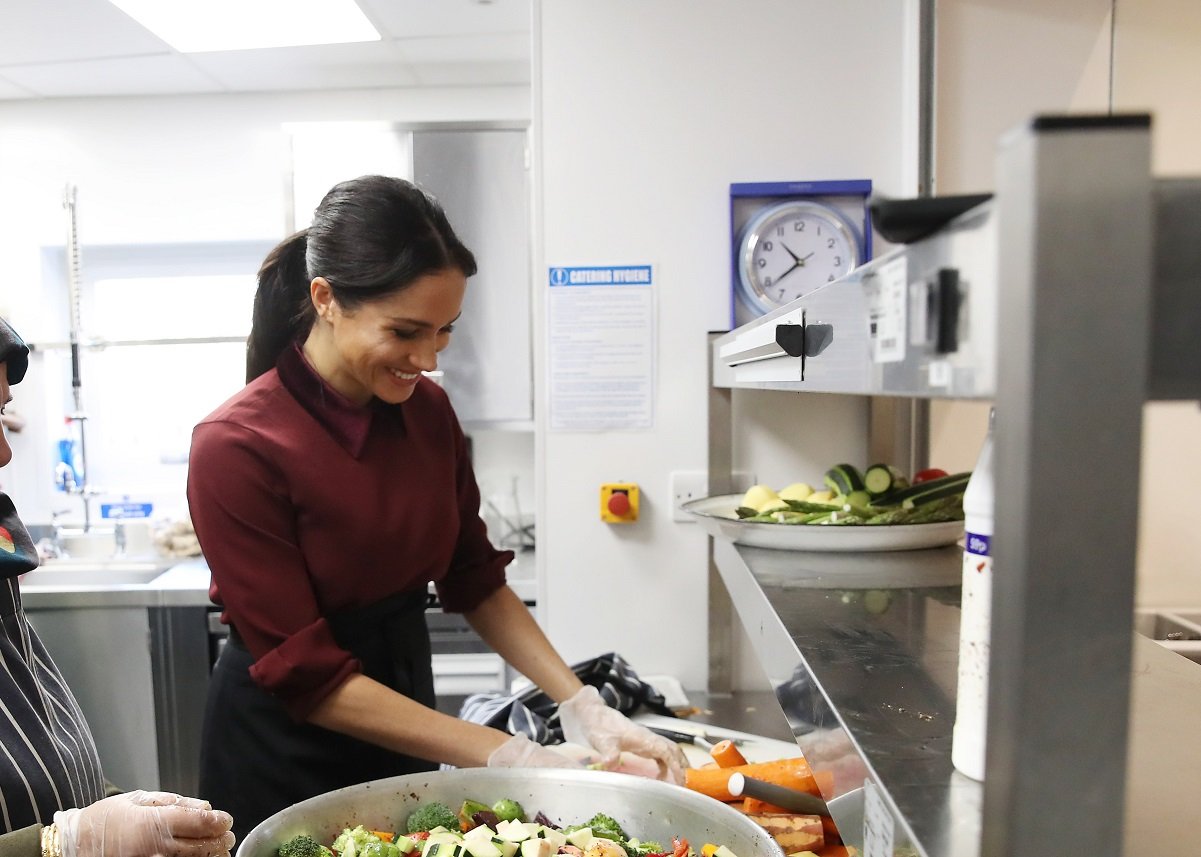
point(879, 479)
point(925, 492)
point(844, 478)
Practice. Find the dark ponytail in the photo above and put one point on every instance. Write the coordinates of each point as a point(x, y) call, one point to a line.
point(371, 237)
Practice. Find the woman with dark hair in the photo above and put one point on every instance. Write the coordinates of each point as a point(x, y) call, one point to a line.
point(327, 495)
point(52, 792)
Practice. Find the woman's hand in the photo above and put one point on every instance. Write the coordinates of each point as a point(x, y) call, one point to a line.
point(520, 752)
point(144, 824)
point(588, 720)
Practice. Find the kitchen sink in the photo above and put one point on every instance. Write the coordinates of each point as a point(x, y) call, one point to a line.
point(91, 572)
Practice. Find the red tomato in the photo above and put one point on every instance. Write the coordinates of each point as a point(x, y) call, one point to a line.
point(928, 474)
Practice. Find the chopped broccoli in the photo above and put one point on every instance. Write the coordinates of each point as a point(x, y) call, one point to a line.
point(355, 841)
point(606, 826)
point(507, 809)
point(303, 846)
point(430, 815)
point(634, 848)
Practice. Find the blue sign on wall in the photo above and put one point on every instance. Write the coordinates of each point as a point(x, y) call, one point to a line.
point(126, 510)
point(601, 275)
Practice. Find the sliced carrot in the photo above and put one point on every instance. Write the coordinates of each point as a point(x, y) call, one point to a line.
point(727, 755)
point(385, 835)
point(715, 782)
point(752, 806)
point(708, 849)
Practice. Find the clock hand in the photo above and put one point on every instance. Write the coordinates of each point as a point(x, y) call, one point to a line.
point(798, 260)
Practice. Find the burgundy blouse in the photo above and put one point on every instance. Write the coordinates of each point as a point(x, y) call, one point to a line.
point(307, 504)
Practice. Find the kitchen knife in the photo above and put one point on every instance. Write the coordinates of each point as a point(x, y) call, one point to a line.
point(704, 740)
point(781, 796)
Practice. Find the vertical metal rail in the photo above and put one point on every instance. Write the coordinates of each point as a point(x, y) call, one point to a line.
point(1075, 288)
point(77, 416)
point(720, 470)
point(899, 428)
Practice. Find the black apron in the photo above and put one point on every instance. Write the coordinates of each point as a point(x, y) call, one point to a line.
point(256, 760)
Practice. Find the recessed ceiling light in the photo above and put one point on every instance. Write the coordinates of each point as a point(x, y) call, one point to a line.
point(192, 26)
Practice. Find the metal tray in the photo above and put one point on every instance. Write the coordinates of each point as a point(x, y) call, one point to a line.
point(648, 809)
point(716, 515)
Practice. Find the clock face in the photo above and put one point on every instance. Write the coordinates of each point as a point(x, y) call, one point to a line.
point(792, 248)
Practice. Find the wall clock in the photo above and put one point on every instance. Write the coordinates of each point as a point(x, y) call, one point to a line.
point(789, 238)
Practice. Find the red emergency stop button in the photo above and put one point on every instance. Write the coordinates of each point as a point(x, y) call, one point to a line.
point(619, 503)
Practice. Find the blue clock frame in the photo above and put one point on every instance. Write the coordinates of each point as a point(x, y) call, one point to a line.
point(847, 196)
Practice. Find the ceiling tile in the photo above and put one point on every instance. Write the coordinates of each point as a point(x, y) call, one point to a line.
point(44, 31)
point(363, 64)
point(409, 18)
point(153, 75)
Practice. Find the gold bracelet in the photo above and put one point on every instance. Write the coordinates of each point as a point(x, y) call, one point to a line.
point(51, 844)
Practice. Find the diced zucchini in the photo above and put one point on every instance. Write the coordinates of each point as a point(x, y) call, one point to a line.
point(581, 838)
point(481, 847)
point(405, 844)
point(556, 838)
point(538, 848)
point(507, 848)
point(723, 851)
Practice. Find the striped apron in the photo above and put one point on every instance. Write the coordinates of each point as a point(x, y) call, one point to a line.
point(48, 760)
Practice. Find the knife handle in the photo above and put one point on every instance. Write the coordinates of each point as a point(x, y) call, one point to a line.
point(782, 796)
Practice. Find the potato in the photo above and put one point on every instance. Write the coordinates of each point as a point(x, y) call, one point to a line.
point(759, 496)
point(796, 491)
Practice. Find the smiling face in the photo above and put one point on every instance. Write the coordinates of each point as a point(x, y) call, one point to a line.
point(381, 348)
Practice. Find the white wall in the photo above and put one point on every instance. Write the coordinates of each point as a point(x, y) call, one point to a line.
point(646, 112)
point(151, 170)
point(1001, 62)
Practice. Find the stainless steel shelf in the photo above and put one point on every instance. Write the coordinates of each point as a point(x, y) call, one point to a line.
point(862, 650)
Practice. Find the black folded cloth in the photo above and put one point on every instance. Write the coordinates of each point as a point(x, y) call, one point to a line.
point(534, 714)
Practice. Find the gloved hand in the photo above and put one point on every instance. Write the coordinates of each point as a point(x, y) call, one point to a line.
point(143, 824)
point(588, 720)
point(520, 752)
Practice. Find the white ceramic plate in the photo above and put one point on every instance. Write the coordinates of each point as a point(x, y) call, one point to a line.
point(716, 515)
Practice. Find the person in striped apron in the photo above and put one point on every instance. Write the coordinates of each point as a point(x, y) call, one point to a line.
point(52, 791)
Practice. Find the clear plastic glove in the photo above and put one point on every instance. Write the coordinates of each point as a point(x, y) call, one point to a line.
point(143, 824)
point(520, 752)
point(588, 720)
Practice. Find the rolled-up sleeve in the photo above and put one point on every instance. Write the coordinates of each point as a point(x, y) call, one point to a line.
point(245, 522)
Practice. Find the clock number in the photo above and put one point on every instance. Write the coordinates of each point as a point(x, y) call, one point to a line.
point(767, 282)
point(830, 243)
point(837, 261)
point(780, 230)
point(798, 226)
point(761, 262)
point(830, 278)
point(767, 246)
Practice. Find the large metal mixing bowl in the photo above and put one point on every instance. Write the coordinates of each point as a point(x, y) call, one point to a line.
point(647, 809)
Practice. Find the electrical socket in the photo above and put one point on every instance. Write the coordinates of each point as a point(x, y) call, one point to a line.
point(689, 485)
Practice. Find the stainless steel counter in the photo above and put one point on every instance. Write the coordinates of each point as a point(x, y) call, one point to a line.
point(862, 653)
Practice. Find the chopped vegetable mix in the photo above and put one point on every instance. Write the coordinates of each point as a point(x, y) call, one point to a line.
point(499, 830)
point(881, 495)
